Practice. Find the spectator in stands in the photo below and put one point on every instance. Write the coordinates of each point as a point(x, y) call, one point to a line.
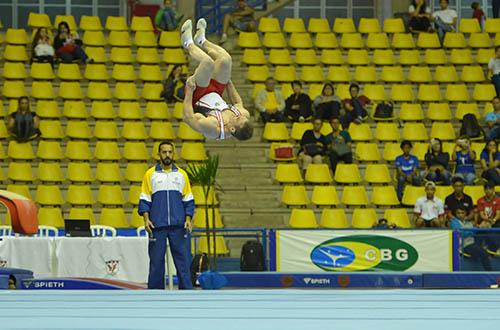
point(313, 145)
point(494, 70)
point(445, 20)
point(339, 145)
point(492, 120)
point(355, 107)
point(420, 15)
point(167, 18)
point(495, 8)
point(407, 168)
point(42, 47)
point(464, 156)
point(24, 124)
point(469, 245)
point(384, 224)
point(241, 19)
point(270, 103)
point(327, 105)
point(488, 215)
point(490, 162)
point(68, 45)
point(477, 12)
point(298, 106)
point(459, 199)
point(437, 163)
point(429, 210)
point(173, 86)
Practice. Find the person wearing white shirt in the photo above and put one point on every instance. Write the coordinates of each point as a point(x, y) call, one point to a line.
point(494, 70)
point(420, 15)
point(429, 210)
point(445, 20)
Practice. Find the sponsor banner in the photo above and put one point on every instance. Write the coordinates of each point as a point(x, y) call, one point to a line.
point(364, 250)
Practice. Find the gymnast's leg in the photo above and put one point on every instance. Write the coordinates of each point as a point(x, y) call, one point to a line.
point(205, 69)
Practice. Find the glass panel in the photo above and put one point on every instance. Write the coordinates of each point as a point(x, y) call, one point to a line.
point(308, 13)
point(363, 3)
point(331, 13)
point(6, 16)
point(310, 3)
point(284, 13)
point(82, 2)
point(103, 13)
point(77, 12)
point(53, 11)
point(336, 3)
point(23, 13)
point(55, 2)
point(359, 13)
point(108, 3)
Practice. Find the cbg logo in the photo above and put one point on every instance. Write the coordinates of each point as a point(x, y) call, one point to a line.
point(364, 252)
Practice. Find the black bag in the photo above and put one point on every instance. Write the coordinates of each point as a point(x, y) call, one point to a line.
point(383, 111)
point(252, 257)
point(470, 127)
point(314, 149)
point(198, 265)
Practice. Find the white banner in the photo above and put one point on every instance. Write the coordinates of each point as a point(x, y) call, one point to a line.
point(357, 250)
point(30, 253)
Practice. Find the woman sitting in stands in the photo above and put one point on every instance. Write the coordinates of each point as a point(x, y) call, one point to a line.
point(68, 46)
point(327, 105)
point(42, 47)
point(23, 124)
point(420, 16)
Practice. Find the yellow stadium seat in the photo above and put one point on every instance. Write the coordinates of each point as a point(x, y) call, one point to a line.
point(398, 217)
point(90, 23)
point(473, 74)
point(339, 74)
point(420, 149)
point(351, 40)
point(42, 90)
point(16, 36)
point(119, 39)
point(445, 74)
point(15, 71)
point(280, 57)
point(113, 217)
point(365, 74)
point(342, 90)
point(66, 18)
point(15, 53)
point(312, 74)
point(3, 130)
point(483, 92)
point(419, 74)
point(134, 130)
point(333, 218)
point(49, 150)
point(331, 57)
point(78, 150)
point(161, 131)
point(200, 199)
point(315, 90)
point(378, 173)
point(461, 56)
point(439, 112)
point(294, 196)
point(193, 152)
point(78, 213)
point(475, 192)
point(106, 130)
point(375, 92)
point(121, 55)
point(116, 23)
point(274, 40)
point(326, 129)
point(324, 196)
point(454, 40)
point(254, 57)
point(123, 72)
point(411, 194)
point(409, 57)
point(50, 216)
point(219, 249)
point(403, 41)
point(177, 113)
point(286, 90)
point(102, 110)
point(20, 150)
point(300, 40)
point(50, 172)
point(36, 20)
point(20, 189)
point(492, 25)
point(292, 25)
point(466, 108)
point(269, 24)
point(469, 25)
point(135, 151)
point(325, 41)
point(185, 132)
point(354, 196)
point(368, 25)
point(105, 150)
point(141, 23)
point(306, 57)
point(318, 25)
point(302, 218)
point(152, 91)
point(49, 195)
point(443, 131)
point(367, 152)
point(386, 57)
point(414, 132)
point(272, 152)
point(200, 218)
point(358, 57)
point(67, 71)
point(347, 174)
point(145, 39)
point(170, 39)
point(387, 132)
point(126, 91)
point(285, 73)
point(428, 40)
point(394, 25)
point(134, 171)
point(480, 40)
point(70, 90)
point(391, 151)
point(411, 112)
point(80, 172)
point(51, 129)
point(108, 172)
point(79, 195)
point(361, 132)
point(78, 129)
point(257, 73)
point(249, 40)
point(275, 132)
point(392, 74)
point(98, 91)
point(318, 174)
point(136, 220)
point(457, 93)
point(151, 56)
point(174, 56)
point(344, 25)
point(377, 41)
point(94, 39)
point(157, 111)
point(429, 93)
point(97, 54)
point(443, 191)
point(130, 110)
point(384, 196)
point(13, 89)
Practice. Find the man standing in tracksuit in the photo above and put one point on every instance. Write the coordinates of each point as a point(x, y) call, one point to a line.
point(167, 205)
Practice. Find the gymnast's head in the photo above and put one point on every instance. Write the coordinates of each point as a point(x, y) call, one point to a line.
point(242, 128)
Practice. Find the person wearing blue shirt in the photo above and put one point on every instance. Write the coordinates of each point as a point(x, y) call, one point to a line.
point(407, 168)
point(490, 162)
point(492, 120)
point(464, 156)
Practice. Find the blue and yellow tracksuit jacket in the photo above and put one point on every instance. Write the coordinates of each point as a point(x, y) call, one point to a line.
point(167, 196)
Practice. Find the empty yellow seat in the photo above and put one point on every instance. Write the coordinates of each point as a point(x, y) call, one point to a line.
point(134, 130)
point(50, 172)
point(480, 40)
point(461, 56)
point(49, 195)
point(102, 110)
point(403, 41)
point(280, 57)
point(394, 25)
point(429, 93)
point(306, 57)
point(411, 112)
point(135, 151)
point(16, 36)
point(377, 41)
point(378, 174)
point(387, 132)
point(409, 57)
point(354, 196)
point(365, 74)
point(483, 92)
point(347, 174)
point(174, 56)
point(361, 132)
point(66, 18)
point(333, 218)
point(492, 25)
point(20, 150)
point(80, 172)
point(185, 132)
point(411, 194)
point(445, 74)
point(274, 40)
point(50, 216)
point(157, 111)
point(257, 73)
point(94, 39)
point(419, 74)
point(325, 41)
point(475, 192)
point(200, 199)
point(51, 129)
point(398, 217)
point(161, 131)
point(121, 55)
point(42, 90)
point(312, 74)
point(90, 23)
point(269, 24)
point(275, 132)
point(134, 172)
point(70, 90)
point(454, 40)
point(367, 152)
point(108, 172)
point(351, 40)
point(97, 54)
point(193, 152)
point(469, 25)
point(457, 93)
point(116, 23)
point(364, 218)
point(15, 71)
point(318, 174)
point(443, 131)
point(466, 108)
point(254, 57)
point(110, 195)
point(324, 196)
point(78, 150)
point(428, 40)
point(68, 71)
point(344, 25)
point(383, 57)
point(392, 74)
point(302, 218)
point(49, 150)
point(298, 130)
point(79, 195)
point(119, 39)
point(300, 40)
point(375, 92)
point(391, 151)
point(98, 91)
point(106, 130)
point(339, 74)
point(36, 20)
point(439, 112)
point(414, 132)
point(126, 91)
point(15, 53)
point(78, 129)
point(13, 89)
point(152, 91)
point(123, 72)
point(79, 213)
point(107, 151)
point(294, 196)
point(20, 189)
point(318, 25)
point(384, 196)
point(130, 110)
point(141, 23)
point(113, 217)
point(200, 217)
point(331, 57)
point(170, 39)
point(358, 57)
point(151, 56)
point(249, 40)
point(473, 74)
point(368, 25)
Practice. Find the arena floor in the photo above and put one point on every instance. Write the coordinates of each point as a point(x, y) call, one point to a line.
point(251, 309)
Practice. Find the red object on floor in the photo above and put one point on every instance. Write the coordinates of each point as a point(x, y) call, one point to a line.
point(23, 212)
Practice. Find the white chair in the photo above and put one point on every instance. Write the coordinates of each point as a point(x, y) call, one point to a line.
point(102, 231)
point(141, 231)
point(44, 231)
point(5, 231)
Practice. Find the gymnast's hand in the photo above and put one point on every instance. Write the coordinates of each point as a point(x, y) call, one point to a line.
point(191, 84)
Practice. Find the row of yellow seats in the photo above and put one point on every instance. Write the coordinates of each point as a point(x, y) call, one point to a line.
point(412, 193)
point(366, 25)
point(373, 40)
point(93, 72)
point(336, 218)
point(15, 53)
point(127, 110)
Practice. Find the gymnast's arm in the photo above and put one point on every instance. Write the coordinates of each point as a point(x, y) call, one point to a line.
point(235, 98)
point(196, 121)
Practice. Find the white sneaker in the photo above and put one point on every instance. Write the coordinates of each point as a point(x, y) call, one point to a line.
point(187, 33)
point(199, 37)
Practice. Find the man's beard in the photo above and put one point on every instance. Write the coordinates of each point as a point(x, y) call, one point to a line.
point(166, 162)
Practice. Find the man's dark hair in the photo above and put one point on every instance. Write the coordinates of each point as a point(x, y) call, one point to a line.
point(269, 79)
point(474, 5)
point(244, 132)
point(165, 142)
point(406, 143)
point(495, 98)
point(457, 179)
point(354, 85)
point(459, 207)
point(297, 82)
point(447, 1)
point(489, 185)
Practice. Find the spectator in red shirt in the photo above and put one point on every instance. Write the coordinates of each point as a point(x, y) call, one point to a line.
point(477, 13)
point(488, 215)
point(354, 107)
